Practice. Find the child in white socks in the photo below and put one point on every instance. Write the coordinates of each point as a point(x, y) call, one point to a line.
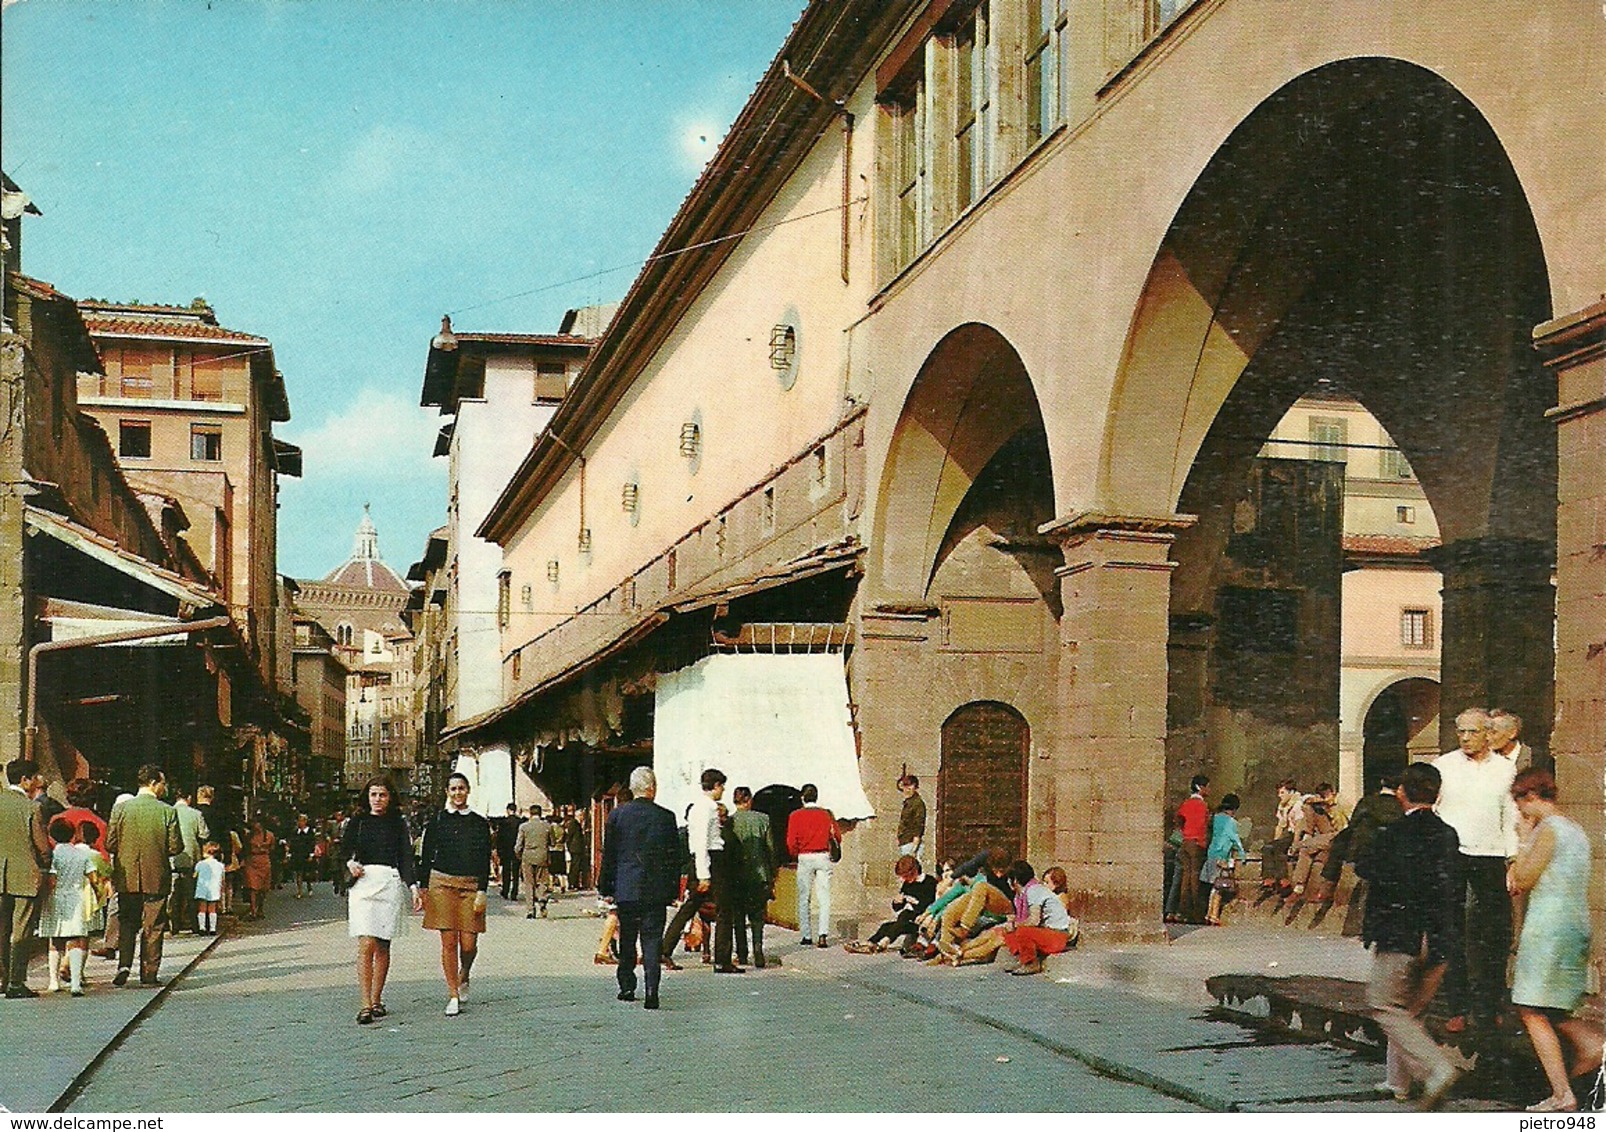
point(208, 889)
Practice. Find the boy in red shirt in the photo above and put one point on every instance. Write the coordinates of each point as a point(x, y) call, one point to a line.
point(1194, 814)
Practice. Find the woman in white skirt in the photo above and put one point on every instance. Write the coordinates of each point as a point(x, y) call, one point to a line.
point(378, 852)
point(71, 911)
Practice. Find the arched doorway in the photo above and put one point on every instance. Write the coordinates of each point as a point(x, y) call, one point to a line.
point(1400, 726)
point(981, 790)
point(1363, 228)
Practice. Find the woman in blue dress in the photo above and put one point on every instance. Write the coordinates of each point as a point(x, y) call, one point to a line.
point(1552, 867)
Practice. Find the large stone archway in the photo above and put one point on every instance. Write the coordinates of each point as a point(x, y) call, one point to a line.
point(960, 601)
point(1363, 226)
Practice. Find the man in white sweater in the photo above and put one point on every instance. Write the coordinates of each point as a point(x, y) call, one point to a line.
point(1475, 800)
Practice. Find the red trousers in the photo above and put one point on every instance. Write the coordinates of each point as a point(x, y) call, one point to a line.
point(1031, 944)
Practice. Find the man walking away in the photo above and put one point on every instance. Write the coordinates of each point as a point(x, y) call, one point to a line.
point(142, 837)
point(1475, 799)
point(24, 859)
point(507, 839)
point(529, 849)
point(640, 872)
point(911, 818)
point(809, 834)
point(1194, 814)
point(1413, 886)
point(193, 832)
point(754, 869)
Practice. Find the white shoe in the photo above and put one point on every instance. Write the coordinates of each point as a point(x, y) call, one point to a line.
point(1384, 1089)
point(462, 988)
point(452, 1008)
point(53, 987)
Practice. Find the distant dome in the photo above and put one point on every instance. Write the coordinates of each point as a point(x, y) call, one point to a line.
point(365, 569)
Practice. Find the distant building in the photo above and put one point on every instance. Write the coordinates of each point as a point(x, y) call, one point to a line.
point(1392, 606)
point(319, 679)
point(360, 605)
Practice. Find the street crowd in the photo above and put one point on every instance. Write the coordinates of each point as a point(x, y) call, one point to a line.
point(1454, 858)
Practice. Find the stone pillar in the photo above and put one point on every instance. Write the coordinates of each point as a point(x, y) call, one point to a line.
point(1110, 772)
point(13, 599)
point(1498, 645)
point(1574, 348)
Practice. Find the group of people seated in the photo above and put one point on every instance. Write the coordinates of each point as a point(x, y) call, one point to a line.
point(975, 911)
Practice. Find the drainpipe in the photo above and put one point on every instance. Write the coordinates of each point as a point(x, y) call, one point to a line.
point(127, 636)
point(837, 106)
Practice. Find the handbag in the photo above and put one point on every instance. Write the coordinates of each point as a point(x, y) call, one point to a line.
point(835, 848)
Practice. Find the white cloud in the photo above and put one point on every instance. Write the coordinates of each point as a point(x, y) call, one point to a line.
point(375, 434)
point(381, 157)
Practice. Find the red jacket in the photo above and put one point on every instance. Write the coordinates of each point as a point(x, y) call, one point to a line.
point(1195, 817)
point(810, 830)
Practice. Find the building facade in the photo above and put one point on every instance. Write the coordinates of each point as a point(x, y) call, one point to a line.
point(954, 362)
point(360, 606)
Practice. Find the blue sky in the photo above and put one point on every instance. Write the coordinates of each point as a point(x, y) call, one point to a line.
point(336, 174)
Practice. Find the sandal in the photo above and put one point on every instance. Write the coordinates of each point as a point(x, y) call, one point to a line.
point(365, 1016)
point(378, 1010)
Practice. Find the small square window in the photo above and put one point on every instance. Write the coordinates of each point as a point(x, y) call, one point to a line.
point(1405, 514)
point(134, 439)
point(551, 381)
point(206, 442)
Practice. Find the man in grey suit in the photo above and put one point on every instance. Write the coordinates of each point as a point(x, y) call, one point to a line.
point(142, 837)
point(529, 849)
point(24, 859)
point(641, 871)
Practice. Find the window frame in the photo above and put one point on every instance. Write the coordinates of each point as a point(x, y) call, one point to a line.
point(1320, 447)
point(1416, 627)
point(126, 428)
point(206, 431)
point(1042, 67)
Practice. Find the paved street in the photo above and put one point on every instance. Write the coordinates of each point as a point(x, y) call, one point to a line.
point(542, 1031)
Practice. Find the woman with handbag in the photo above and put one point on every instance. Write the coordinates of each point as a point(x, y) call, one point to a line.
point(1222, 857)
point(813, 837)
point(378, 853)
point(455, 868)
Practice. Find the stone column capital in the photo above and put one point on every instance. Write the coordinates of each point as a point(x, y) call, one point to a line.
point(1485, 558)
point(1570, 343)
point(1089, 538)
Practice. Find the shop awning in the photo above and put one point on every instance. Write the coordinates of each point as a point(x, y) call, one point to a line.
point(763, 719)
point(108, 553)
point(72, 620)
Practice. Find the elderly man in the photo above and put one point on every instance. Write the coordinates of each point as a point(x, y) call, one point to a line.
point(1504, 729)
point(24, 859)
point(1475, 801)
point(640, 871)
point(142, 837)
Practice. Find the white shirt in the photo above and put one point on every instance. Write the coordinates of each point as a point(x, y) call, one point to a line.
point(703, 833)
point(1475, 800)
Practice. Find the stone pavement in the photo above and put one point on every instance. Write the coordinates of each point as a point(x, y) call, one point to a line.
point(1109, 1028)
point(266, 1023)
point(47, 1043)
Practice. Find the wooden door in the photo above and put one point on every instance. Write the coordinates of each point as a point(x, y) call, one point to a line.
point(981, 786)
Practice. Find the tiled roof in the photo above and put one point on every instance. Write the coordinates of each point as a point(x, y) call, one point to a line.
point(112, 326)
point(34, 288)
point(527, 339)
point(204, 313)
point(1400, 545)
point(367, 573)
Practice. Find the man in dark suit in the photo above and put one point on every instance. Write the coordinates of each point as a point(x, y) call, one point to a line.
point(142, 836)
point(24, 858)
point(1412, 877)
point(640, 871)
point(507, 837)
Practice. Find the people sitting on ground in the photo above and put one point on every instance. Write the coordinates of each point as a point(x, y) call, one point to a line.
point(1040, 924)
point(916, 891)
point(1220, 870)
point(1313, 838)
point(1274, 854)
point(986, 903)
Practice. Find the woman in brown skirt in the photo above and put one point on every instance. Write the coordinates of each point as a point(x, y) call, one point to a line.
point(455, 867)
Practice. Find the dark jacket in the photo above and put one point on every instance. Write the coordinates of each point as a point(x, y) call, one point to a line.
point(640, 854)
point(1372, 814)
point(457, 845)
point(1411, 871)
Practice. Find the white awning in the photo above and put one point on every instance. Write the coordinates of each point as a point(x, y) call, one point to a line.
point(71, 620)
point(763, 719)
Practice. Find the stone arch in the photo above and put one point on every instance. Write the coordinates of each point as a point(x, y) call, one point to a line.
point(1362, 227)
point(1326, 211)
point(971, 399)
point(1414, 699)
